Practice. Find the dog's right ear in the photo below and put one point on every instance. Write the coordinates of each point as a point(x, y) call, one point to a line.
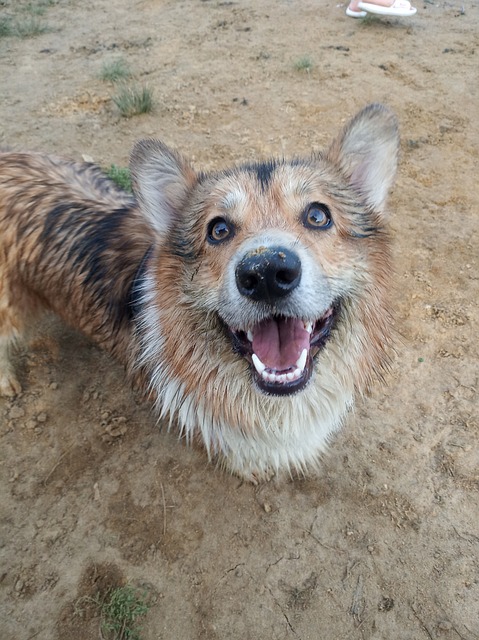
point(162, 181)
point(367, 153)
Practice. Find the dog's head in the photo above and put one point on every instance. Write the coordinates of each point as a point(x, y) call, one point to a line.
point(265, 299)
point(265, 260)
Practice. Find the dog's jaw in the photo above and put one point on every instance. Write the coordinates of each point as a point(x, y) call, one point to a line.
point(281, 351)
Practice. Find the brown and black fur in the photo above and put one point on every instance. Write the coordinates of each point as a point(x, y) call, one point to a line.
point(71, 243)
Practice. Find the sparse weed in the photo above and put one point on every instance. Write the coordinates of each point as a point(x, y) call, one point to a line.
point(121, 177)
point(28, 27)
point(115, 70)
point(6, 28)
point(303, 64)
point(132, 101)
point(38, 7)
point(24, 22)
point(120, 611)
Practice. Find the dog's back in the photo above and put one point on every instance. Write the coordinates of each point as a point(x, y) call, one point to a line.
point(71, 242)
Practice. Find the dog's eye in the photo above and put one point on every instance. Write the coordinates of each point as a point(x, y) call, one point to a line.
point(317, 216)
point(219, 230)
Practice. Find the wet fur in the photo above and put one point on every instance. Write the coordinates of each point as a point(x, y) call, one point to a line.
point(137, 276)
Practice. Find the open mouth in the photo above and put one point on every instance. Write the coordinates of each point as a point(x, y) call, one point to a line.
point(281, 350)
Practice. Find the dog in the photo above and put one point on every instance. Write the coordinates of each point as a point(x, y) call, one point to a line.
point(252, 302)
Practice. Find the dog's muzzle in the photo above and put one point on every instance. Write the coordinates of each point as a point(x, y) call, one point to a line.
point(281, 347)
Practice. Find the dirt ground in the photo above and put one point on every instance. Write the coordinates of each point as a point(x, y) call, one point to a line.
point(384, 543)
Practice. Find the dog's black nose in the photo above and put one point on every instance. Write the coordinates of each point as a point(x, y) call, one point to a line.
point(268, 273)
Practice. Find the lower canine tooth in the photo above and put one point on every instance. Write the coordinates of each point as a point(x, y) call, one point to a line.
point(301, 363)
point(258, 365)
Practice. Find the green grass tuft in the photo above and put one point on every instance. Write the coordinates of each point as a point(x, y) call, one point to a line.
point(115, 70)
point(24, 21)
point(28, 27)
point(132, 101)
point(6, 27)
point(121, 177)
point(304, 64)
point(120, 611)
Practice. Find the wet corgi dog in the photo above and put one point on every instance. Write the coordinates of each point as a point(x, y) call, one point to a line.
point(252, 302)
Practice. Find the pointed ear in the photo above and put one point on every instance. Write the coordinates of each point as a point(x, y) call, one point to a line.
point(366, 152)
point(162, 181)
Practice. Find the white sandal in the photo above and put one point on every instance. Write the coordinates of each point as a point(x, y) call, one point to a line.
point(400, 8)
point(356, 14)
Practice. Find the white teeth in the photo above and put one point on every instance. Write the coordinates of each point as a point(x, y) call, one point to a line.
point(301, 363)
point(258, 365)
point(271, 376)
point(249, 335)
point(281, 378)
point(309, 327)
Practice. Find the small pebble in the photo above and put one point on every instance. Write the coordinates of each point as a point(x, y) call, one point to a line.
point(16, 412)
point(52, 535)
point(444, 625)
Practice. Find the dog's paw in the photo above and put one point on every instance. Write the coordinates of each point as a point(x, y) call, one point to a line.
point(259, 477)
point(9, 385)
point(253, 476)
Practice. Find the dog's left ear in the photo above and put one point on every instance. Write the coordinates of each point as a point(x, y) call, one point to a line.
point(162, 181)
point(367, 153)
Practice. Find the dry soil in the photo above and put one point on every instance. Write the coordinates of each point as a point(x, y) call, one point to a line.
point(384, 543)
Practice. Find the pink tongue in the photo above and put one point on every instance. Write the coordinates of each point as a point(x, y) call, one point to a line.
point(278, 343)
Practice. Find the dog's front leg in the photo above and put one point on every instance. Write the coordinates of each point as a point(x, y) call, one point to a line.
point(9, 384)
